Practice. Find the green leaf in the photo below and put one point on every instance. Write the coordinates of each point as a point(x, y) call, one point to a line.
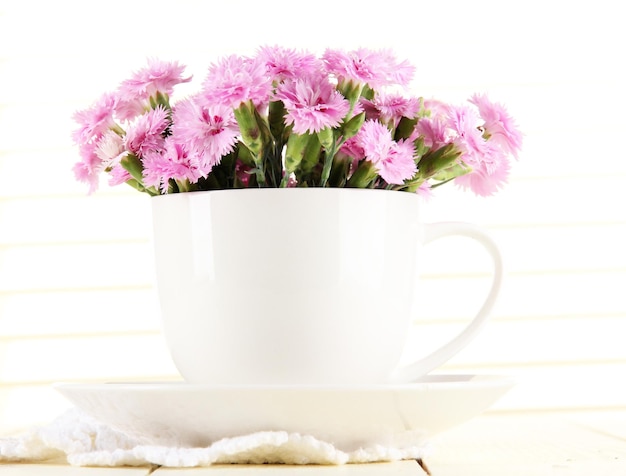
point(276, 117)
point(452, 172)
point(250, 131)
point(326, 138)
point(311, 156)
point(352, 127)
point(133, 166)
point(296, 146)
point(363, 176)
point(405, 128)
point(339, 171)
point(367, 92)
point(301, 155)
point(439, 159)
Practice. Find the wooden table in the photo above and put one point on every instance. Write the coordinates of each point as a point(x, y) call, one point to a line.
point(494, 444)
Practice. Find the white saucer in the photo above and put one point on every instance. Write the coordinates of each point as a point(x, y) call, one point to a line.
point(181, 414)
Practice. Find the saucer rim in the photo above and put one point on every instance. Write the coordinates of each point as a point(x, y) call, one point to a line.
point(342, 414)
point(439, 381)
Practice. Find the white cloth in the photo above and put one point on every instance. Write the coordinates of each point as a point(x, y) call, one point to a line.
point(87, 442)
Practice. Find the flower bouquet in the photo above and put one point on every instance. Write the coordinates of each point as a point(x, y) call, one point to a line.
point(284, 118)
point(335, 253)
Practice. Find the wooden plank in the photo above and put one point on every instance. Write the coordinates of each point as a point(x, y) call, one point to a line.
point(501, 345)
point(88, 357)
point(524, 444)
point(570, 386)
point(567, 468)
point(532, 249)
point(400, 468)
point(75, 265)
point(75, 219)
point(79, 312)
point(529, 342)
point(60, 469)
point(535, 201)
point(524, 202)
point(527, 295)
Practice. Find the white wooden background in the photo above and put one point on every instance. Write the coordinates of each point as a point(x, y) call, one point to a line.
point(76, 295)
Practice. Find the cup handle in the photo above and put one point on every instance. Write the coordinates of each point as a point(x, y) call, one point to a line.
point(433, 231)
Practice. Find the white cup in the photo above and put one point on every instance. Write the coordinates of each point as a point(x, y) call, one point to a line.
point(297, 286)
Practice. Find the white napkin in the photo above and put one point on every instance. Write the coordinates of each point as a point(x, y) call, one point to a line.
point(87, 442)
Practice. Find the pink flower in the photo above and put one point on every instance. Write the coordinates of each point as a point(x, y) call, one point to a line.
point(375, 68)
point(390, 108)
point(158, 76)
point(464, 123)
point(489, 164)
point(239, 109)
point(118, 175)
point(353, 149)
point(243, 172)
point(499, 125)
point(128, 109)
point(433, 131)
point(435, 107)
point(236, 79)
point(393, 160)
point(209, 129)
point(175, 162)
point(90, 166)
point(425, 190)
point(312, 104)
point(398, 165)
point(489, 173)
point(110, 149)
point(146, 133)
point(283, 63)
point(96, 120)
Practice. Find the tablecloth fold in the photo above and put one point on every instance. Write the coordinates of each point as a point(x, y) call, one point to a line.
point(87, 442)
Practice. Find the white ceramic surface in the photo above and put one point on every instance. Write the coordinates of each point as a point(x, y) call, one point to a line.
point(297, 286)
point(349, 417)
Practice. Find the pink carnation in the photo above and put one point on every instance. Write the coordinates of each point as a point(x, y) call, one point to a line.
point(243, 172)
point(390, 108)
point(90, 166)
point(236, 79)
point(118, 175)
point(174, 162)
point(499, 125)
point(489, 173)
point(393, 160)
point(398, 165)
point(96, 120)
point(425, 190)
point(353, 149)
point(312, 104)
point(464, 123)
point(146, 133)
point(158, 76)
point(211, 129)
point(433, 131)
point(283, 63)
point(110, 148)
point(489, 164)
point(375, 68)
point(128, 109)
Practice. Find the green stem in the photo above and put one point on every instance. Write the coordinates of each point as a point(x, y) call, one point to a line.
point(363, 176)
point(328, 163)
point(252, 134)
